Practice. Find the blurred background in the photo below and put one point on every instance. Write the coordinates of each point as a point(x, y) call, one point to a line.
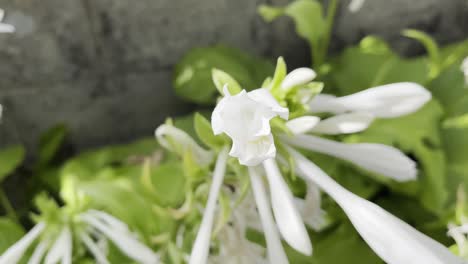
point(104, 67)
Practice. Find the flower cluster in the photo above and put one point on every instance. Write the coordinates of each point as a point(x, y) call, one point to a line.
point(58, 229)
point(261, 138)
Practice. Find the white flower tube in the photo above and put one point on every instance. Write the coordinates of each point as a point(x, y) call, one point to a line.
point(245, 118)
point(178, 141)
point(379, 158)
point(392, 239)
point(302, 124)
point(61, 249)
point(343, 124)
point(287, 217)
point(14, 254)
point(386, 101)
point(39, 252)
point(201, 245)
point(125, 241)
point(275, 250)
point(93, 248)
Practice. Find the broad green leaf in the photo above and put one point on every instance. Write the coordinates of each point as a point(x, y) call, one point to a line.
point(10, 159)
point(193, 81)
point(10, 233)
point(168, 182)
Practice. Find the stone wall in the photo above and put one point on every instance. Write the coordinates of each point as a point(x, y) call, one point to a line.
point(104, 66)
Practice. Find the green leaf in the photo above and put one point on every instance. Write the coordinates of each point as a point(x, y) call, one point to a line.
point(221, 78)
point(10, 233)
point(431, 47)
point(10, 159)
point(205, 132)
point(308, 18)
point(278, 77)
point(193, 74)
point(168, 180)
point(50, 143)
point(417, 135)
point(270, 13)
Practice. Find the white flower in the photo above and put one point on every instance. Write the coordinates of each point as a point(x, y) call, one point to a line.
point(234, 247)
point(178, 141)
point(97, 224)
point(386, 101)
point(297, 77)
point(245, 118)
point(464, 69)
point(202, 242)
point(310, 209)
point(5, 28)
point(460, 235)
point(355, 5)
point(392, 239)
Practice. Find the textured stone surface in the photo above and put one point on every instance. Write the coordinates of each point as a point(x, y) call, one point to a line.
point(104, 66)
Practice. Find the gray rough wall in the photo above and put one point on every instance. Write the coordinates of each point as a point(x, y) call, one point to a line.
point(104, 66)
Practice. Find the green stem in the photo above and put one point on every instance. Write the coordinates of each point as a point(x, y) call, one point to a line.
point(323, 49)
point(8, 206)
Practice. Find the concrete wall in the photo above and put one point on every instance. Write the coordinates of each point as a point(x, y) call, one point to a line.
point(104, 66)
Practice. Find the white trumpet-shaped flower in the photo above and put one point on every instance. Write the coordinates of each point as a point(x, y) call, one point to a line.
point(392, 239)
point(5, 28)
point(90, 226)
point(245, 118)
point(386, 101)
point(178, 141)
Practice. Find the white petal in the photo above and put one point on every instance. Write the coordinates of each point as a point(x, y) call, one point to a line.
point(344, 124)
point(39, 252)
point(392, 239)
point(276, 254)
point(383, 159)
point(298, 76)
point(302, 124)
point(94, 248)
point(287, 217)
point(263, 96)
point(110, 220)
point(125, 241)
point(254, 152)
point(61, 249)
point(14, 253)
point(201, 245)
point(386, 101)
point(178, 141)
